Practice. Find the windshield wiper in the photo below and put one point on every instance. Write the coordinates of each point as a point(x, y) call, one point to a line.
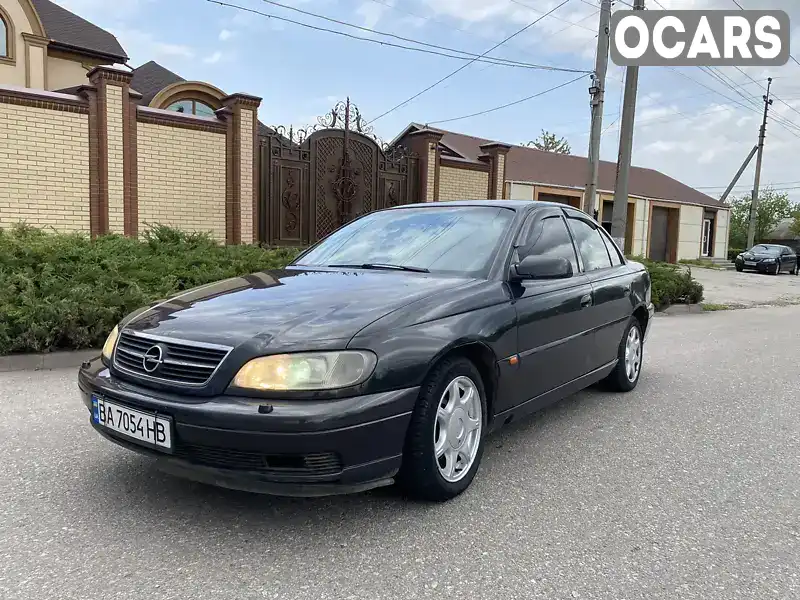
point(388, 267)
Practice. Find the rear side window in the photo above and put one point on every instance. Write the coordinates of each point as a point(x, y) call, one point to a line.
point(613, 252)
point(550, 238)
point(590, 244)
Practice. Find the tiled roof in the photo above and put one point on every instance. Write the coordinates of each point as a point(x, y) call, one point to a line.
point(72, 32)
point(525, 164)
point(151, 78)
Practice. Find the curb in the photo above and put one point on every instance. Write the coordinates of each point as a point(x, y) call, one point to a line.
point(46, 361)
point(683, 309)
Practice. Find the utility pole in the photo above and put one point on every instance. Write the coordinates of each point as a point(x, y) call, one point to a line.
point(619, 216)
point(751, 229)
point(597, 91)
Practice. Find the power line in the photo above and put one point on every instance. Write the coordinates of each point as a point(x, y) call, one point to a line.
point(515, 102)
point(736, 2)
point(539, 12)
point(787, 125)
point(742, 185)
point(478, 58)
point(462, 67)
point(391, 35)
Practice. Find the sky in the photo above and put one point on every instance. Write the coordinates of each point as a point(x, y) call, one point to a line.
point(688, 124)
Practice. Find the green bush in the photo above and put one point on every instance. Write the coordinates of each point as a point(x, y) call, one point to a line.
point(66, 291)
point(671, 284)
point(734, 252)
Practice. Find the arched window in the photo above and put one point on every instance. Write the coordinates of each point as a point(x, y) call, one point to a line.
point(192, 107)
point(5, 42)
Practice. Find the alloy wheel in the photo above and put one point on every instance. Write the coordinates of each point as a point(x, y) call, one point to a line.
point(633, 354)
point(457, 432)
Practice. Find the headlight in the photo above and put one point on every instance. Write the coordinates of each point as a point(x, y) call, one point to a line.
point(768, 260)
point(306, 371)
point(111, 340)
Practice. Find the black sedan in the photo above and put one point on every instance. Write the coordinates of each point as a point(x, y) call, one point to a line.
point(386, 352)
point(768, 258)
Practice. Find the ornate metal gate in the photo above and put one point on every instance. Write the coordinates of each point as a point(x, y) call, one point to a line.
point(318, 178)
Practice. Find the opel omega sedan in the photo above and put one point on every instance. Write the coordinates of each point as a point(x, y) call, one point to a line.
point(384, 353)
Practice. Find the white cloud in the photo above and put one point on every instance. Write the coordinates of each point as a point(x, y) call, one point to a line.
point(213, 58)
point(142, 46)
point(225, 35)
point(371, 13)
point(103, 9)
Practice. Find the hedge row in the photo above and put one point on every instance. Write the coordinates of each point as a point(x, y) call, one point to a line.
point(65, 291)
point(672, 284)
point(734, 252)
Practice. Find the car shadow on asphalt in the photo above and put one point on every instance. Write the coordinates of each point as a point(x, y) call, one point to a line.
point(133, 482)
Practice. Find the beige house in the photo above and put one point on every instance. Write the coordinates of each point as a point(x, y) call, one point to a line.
point(44, 46)
point(667, 220)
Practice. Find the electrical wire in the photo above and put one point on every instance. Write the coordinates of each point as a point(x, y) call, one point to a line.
point(462, 67)
point(397, 37)
point(479, 58)
point(539, 12)
point(514, 103)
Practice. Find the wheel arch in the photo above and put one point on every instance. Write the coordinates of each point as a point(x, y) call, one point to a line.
point(483, 357)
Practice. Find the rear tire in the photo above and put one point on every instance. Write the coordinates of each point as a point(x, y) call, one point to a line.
point(438, 460)
point(626, 374)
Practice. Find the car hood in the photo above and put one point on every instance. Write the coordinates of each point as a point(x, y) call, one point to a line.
point(287, 308)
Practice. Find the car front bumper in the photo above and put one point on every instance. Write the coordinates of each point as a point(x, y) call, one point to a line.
point(299, 448)
point(761, 267)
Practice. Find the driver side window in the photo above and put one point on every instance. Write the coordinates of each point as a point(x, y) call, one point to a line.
point(549, 237)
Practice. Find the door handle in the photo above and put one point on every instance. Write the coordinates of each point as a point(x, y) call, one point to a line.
point(586, 300)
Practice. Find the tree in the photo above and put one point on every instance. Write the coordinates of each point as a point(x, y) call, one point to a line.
point(772, 207)
point(550, 143)
point(794, 228)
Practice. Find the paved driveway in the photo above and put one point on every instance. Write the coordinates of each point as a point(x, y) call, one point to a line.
point(687, 488)
point(747, 288)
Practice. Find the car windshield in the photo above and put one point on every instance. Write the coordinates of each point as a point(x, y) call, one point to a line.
point(762, 249)
point(448, 239)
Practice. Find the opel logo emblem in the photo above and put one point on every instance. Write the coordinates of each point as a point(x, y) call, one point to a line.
point(153, 358)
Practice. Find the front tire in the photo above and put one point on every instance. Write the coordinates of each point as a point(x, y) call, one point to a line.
point(739, 269)
point(777, 269)
point(444, 443)
point(626, 374)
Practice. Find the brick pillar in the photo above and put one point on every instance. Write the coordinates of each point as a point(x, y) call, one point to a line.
point(241, 201)
point(425, 143)
point(495, 154)
point(112, 173)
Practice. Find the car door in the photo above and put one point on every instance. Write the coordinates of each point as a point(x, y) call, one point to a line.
point(611, 281)
point(553, 332)
point(788, 260)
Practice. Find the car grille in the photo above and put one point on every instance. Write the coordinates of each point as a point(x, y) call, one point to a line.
point(184, 363)
point(318, 463)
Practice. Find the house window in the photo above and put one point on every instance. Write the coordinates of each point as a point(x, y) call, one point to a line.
point(4, 41)
point(192, 107)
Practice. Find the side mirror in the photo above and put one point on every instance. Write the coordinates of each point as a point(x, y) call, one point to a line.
point(541, 267)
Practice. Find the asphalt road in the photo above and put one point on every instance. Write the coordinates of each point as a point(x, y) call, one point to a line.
point(687, 488)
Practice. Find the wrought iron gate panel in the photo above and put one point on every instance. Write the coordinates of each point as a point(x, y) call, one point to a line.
point(316, 179)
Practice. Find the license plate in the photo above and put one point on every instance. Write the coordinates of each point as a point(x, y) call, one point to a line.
point(749, 263)
point(146, 428)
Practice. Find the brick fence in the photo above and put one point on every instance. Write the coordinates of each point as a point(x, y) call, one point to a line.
point(96, 162)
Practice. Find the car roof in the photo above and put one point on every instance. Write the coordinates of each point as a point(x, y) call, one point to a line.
point(518, 205)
